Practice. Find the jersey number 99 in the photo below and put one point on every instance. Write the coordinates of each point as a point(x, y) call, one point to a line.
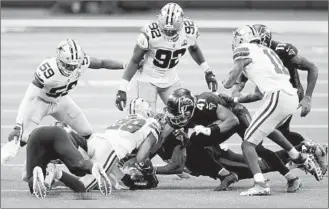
point(129, 125)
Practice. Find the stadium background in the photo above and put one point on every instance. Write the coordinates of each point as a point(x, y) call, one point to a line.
point(30, 31)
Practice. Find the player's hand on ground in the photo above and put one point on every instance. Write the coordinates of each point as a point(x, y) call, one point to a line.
point(305, 104)
point(16, 134)
point(211, 81)
point(121, 100)
point(203, 130)
point(146, 167)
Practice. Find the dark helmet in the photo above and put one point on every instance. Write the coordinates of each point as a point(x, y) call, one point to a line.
point(180, 108)
point(264, 33)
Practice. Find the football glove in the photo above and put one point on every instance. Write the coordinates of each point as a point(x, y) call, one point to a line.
point(211, 80)
point(121, 100)
point(148, 171)
point(16, 134)
point(203, 130)
point(181, 136)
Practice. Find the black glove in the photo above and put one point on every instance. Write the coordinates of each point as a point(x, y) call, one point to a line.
point(148, 172)
point(211, 81)
point(121, 100)
point(146, 167)
point(181, 136)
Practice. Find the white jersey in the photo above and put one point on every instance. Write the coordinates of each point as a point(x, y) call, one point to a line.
point(162, 55)
point(53, 83)
point(266, 70)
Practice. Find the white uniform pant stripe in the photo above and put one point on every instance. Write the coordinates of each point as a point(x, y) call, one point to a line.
point(109, 162)
point(255, 123)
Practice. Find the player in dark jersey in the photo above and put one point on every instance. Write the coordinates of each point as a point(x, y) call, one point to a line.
point(293, 62)
point(51, 143)
point(215, 120)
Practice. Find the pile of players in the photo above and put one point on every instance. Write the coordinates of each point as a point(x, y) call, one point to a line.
point(188, 134)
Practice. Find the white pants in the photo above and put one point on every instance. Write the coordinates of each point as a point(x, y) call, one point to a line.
point(150, 92)
point(276, 107)
point(66, 110)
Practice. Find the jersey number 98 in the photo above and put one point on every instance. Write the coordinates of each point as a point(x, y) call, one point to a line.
point(129, 125)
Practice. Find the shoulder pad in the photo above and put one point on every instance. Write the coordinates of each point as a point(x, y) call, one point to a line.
point(44, 72)
point(241, 52)
point(286, 50)
point(86, 61)
point(151, 31)
point(191, 28)
point(143, 41)
point(207, 101)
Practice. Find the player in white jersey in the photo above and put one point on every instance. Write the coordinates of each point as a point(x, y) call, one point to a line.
point(137, 131)
point(160, 45)
point(47, 94)
point(263, 67)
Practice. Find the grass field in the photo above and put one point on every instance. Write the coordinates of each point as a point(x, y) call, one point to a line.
point(22, 52)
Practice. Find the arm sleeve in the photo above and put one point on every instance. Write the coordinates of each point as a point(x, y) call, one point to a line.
point(31, 93)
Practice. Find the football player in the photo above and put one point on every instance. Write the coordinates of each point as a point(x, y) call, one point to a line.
point(262, 65)
point(137, 131)
point(215, 118)
point(161, 44)
point(51, 143)
point(292, 61)
point(47, 94)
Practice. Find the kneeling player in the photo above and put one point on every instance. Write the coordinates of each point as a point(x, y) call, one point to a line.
point(137, 131)
point(52, 143)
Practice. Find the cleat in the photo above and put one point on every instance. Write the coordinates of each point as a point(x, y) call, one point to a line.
point(183, 176)
point(321, 156)
point(311, 166)
point(50, 176)
point(39, 188)
point(259, 189)
point(294, 185)
point(226, 181)
point(104, 183)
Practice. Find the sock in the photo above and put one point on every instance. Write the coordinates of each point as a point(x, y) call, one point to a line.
point(289, 176)
point(259, 177)
point(293, 153)
point(223, 172)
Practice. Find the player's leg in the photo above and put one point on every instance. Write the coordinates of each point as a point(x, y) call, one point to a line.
point(164, 93)
point(38, 155)
point(293, 137)
point(148, 92)
point(75, 162)
point(70, 113)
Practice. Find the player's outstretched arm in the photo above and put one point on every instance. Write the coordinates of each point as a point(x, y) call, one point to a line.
point(129, 72)
point(176, 164)
point(198, 57)
point(226, 120)
point(106, 64)
point(312, 75)
point(144, 150)
point(236, 71)
point(239, 85)
point(255, 96)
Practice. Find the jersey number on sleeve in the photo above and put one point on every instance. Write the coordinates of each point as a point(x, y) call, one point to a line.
point(62, 90)
point(47, 70)
point(166, 58)
point(275, 60)
point(189, 27)
point(155, 31)
point(129, 125)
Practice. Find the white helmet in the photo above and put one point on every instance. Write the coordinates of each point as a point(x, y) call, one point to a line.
point(244, 34)
point(140, 107)
point(69, 56)
point(171, 20)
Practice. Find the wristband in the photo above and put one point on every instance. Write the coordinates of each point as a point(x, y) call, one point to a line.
point(236, 99)
point(214, 129)
point(123, 85)
point(205, 66)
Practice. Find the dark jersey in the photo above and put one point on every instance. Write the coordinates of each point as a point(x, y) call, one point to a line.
point(286, 52)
